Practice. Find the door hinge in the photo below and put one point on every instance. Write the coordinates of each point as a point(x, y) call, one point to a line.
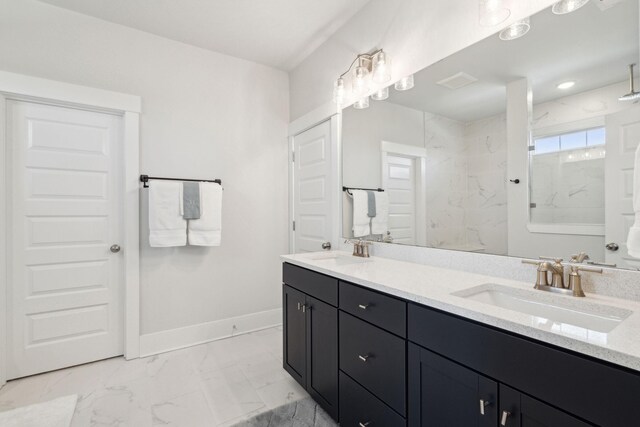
point(532, 147)
point(294, 226)
point(293, 156)
point(532, 205)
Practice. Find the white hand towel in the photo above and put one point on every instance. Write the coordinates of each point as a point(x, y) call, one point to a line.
point(633, 239)
point(380, 223)
point(207, 230)
point(361, 221)
point(166, 225)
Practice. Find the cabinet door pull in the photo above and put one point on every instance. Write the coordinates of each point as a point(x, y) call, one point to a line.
point(483, 404)
point(503, 419)
point(299, 306)
point(363, 358)
point(363, 306)
point(304, 308)
point(364, 424)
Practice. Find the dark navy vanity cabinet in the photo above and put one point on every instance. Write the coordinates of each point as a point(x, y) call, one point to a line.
point(372, 359)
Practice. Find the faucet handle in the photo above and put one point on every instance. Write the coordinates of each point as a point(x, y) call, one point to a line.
point(575, 281)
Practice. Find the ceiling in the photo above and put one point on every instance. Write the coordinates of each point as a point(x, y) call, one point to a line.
point(591, 46)
point(278, 33)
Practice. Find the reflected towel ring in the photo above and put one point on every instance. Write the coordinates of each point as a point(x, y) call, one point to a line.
point(515, 181)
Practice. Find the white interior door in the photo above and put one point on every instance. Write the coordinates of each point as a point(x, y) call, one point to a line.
point(64, 289)
point(623, 137)
point(399, 181)
point(312, 188)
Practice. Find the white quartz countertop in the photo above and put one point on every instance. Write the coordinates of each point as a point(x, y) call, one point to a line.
point(433, 287)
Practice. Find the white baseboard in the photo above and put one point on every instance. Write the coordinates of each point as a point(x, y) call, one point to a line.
point(173, 339)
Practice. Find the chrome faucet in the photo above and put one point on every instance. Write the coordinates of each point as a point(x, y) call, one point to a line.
point(557, 276)
point(360, 247)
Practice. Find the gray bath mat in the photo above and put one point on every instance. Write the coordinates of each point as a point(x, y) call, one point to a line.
point(302, 413)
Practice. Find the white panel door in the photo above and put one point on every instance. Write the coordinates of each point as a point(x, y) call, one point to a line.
point(399, 180)
point(64, 295)
point(623, 137)
point(312, 188)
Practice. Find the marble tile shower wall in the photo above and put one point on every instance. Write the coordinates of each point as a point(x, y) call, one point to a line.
point(566, 190)
point(466, 191)
point(486, 215)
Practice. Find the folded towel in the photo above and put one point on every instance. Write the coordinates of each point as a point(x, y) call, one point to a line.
point(371, 204)
point(380, 224)
point(190, 208)
point(207, 230)
point(166, 225)
point(361, 220)
point(633, 239)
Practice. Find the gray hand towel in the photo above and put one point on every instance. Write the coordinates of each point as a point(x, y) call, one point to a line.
point(191, 200)
point(371, 204)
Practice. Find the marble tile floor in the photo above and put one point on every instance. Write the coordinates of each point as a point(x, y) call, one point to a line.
point(214, 384)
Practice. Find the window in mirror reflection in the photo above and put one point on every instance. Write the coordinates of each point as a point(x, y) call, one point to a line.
point(567, 177)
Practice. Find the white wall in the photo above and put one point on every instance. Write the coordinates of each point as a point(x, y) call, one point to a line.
point(204, 115)
point(415, 33)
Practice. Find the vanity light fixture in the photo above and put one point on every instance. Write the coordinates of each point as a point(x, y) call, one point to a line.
point(381, 68)
point(404, 83)
point(516, 30)
point(633, 95)
point(366, 67)
point(567, 6)
point(566, 85)
point(493, 12)
point(380, 94)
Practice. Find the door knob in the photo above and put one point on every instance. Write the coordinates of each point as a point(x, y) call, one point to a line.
point(115, 248)
point(326, 246)
point(612, 246)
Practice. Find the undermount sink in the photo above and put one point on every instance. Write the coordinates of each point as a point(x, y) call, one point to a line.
point(338, 259)
point(549, 308)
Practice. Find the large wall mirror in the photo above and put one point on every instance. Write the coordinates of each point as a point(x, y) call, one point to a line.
point(515, 147)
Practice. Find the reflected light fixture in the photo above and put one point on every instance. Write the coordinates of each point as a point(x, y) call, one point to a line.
point(361, 79)
point(493, 12)
point(566, 85)
point(404, 83)
point(633, 95)
point(380, 94)
point(362, 103)
point(567, 6)
point(516, 30)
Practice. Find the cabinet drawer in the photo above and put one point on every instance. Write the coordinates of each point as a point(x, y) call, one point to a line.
point(358, 407)
point(384, 311)
point(596, 391)
point(374, 358)
point(317, 285)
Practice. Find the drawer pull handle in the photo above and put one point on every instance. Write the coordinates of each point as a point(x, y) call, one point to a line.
point(363, 306)
point(483, 404)
point(503, 419)
point(363, 358)
point(364, 424)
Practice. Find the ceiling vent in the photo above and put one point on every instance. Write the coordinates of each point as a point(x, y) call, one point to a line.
point(457, 81)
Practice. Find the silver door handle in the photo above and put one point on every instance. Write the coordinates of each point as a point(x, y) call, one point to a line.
point(115, 248)
point(483, 404)
point(363, 306)
point(612, 246)
point(503, 419)
point(326, 246)
point(363, 358)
